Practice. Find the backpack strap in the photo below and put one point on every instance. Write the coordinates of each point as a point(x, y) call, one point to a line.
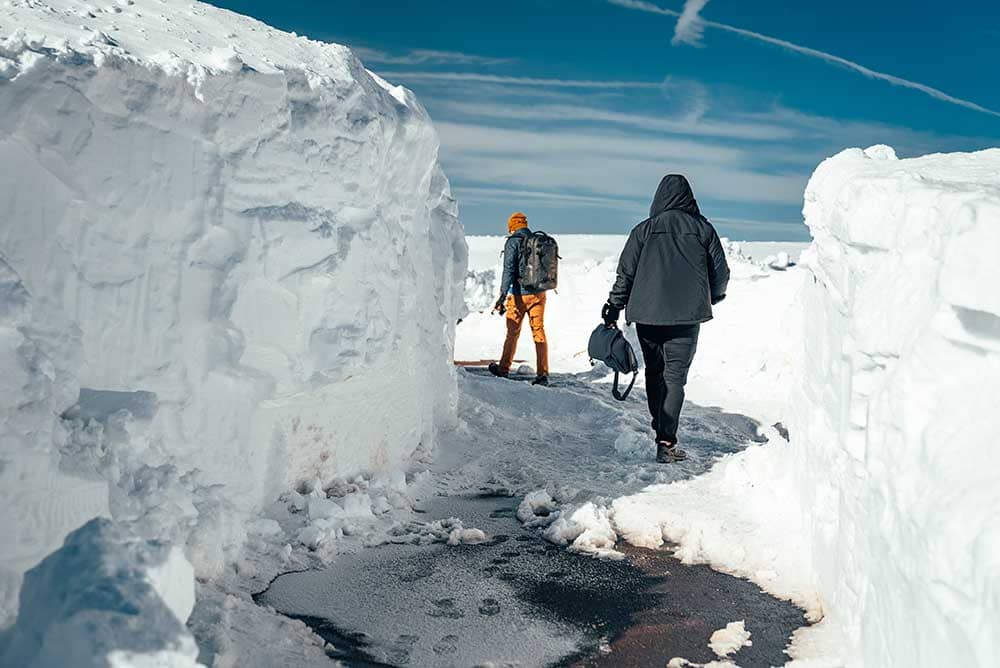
point(622, 396)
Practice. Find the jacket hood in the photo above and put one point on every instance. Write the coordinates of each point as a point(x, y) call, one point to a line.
point(674, 194)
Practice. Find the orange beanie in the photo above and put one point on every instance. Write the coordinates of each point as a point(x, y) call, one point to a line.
point(517, 222)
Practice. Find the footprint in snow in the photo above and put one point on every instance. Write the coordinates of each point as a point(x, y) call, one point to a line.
point(447, 645)
point(399, 652)
point(489, 607)
point(445, 607)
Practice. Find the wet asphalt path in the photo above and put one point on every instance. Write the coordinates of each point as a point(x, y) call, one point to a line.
point(518, 600)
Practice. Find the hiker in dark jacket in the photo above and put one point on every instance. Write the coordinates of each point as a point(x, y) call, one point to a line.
point(516, 302)
point(670, 274)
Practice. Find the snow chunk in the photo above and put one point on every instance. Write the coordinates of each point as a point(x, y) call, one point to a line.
point(590, 530)
point(779, 262)
point(105, 598)
point(466, 537)
point(730, 639)
point(678, 662)
point(538, 509)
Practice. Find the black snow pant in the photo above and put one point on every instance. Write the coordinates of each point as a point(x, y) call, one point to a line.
point(667, 351)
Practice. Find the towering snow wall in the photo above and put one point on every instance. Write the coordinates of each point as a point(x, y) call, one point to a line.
point(229, 262)
point(896, 429)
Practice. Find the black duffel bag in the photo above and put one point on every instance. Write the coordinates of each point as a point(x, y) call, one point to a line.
point(608, 344)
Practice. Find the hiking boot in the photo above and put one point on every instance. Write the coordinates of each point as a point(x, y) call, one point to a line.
point(541, 380)
point(497, 371)
point(667, 453)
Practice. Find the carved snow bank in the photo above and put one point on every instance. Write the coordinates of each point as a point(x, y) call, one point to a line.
point(233, 249)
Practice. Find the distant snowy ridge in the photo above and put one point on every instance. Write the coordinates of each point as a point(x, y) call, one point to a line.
point(237, 243)
point(586, 272)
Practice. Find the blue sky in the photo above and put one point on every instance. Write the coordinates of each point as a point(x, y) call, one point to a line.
point(572, 110)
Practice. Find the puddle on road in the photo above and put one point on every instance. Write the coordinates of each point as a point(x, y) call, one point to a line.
point(518, 600)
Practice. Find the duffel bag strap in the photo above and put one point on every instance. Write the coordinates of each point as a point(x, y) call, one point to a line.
point(622, 396)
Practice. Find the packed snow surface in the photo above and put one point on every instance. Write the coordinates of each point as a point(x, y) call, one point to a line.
point(230, 266)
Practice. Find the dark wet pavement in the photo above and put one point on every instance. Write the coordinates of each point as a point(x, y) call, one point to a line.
point(518, 600)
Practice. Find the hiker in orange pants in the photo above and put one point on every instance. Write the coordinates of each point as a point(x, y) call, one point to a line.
point(516, 301)
point(517, 307)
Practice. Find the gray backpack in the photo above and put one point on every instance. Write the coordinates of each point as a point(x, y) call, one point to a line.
point(608, 344)
point(539, 268)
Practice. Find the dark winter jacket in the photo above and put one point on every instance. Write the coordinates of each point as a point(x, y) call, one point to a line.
point(672, 268)
point(510, 283)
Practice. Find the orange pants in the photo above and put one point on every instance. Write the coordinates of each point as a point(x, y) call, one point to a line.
point(532, 306)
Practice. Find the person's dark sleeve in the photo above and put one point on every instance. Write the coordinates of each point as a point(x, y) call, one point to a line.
point(718, 268)
point(511, 255)
point(628, 263)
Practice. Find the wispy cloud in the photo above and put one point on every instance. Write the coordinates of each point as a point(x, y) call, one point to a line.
point(501, 195)
point(605, 165)
point(756, 129)
point(644, 6)
point(403, 77)
point(426, 57)
point(479, 139)
point(689, 26)
point(935, 93)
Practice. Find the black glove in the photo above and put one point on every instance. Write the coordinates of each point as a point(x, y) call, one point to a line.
point(499, 306)
point(609, 314)
point(716, 300)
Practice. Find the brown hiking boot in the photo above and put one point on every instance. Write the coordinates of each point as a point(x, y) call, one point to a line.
point(667, 453)
point(497, 371)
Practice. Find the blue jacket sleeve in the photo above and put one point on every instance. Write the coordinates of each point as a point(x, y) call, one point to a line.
point(511, 258)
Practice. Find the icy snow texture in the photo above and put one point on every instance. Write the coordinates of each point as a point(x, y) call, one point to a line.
point(105, 598)
point(899, 409)
point(248, 227)
point(39, 504)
